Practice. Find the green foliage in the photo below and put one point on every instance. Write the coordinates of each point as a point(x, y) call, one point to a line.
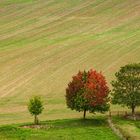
point(35, 107)
point(126, 87)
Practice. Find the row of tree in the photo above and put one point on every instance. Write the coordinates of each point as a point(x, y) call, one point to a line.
point(88, 91)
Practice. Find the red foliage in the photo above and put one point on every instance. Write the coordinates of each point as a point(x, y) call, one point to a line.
point(93, 85)
point(75, 85)
point(96, 88)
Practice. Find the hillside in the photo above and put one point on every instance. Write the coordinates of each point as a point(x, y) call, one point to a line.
point(44, 42)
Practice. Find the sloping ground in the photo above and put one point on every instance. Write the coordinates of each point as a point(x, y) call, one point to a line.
point(96, 129)
point(44, 42)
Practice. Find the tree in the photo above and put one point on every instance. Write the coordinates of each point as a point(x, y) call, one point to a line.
point(35, 107)
point(126, 87)
point(88, 91)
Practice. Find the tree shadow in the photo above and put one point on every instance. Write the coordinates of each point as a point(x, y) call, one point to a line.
point(71, 123)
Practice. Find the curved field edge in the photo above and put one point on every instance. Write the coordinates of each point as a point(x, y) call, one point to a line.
point(96, 129)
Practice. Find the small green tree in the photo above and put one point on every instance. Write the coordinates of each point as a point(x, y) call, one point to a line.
point(126, 87)
point(35, 107)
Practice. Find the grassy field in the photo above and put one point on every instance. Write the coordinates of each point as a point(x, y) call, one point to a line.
point(44, 42)
point(129, 128)
point(73, 129)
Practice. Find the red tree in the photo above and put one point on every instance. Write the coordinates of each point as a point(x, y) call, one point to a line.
point(88, 91)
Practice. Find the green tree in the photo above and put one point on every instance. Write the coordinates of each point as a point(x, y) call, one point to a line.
point(35, 107)
point(126, 87)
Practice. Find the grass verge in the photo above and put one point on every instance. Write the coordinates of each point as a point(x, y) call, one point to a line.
point(129, 128)
point(71, 129)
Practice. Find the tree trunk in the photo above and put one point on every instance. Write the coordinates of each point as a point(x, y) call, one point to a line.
point(84, 114)
point(133, 110)
point(36, 120)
